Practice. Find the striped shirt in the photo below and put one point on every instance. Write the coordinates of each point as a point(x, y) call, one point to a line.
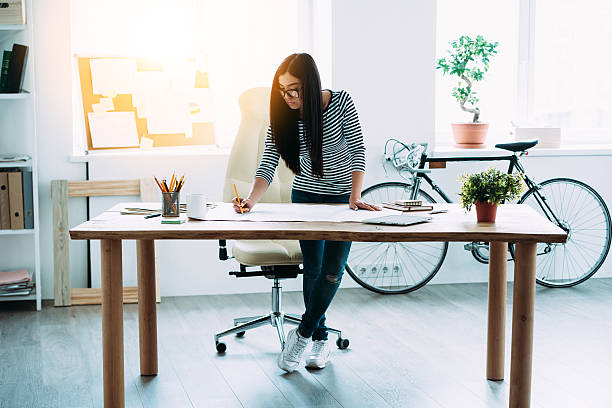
point(343, 151)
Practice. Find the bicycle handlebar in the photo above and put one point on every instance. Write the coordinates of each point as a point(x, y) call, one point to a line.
point(415, 150)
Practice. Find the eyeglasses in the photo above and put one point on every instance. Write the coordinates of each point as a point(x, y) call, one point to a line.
point(291, 93)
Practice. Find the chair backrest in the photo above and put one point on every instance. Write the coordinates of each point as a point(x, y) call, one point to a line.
point(249, 146)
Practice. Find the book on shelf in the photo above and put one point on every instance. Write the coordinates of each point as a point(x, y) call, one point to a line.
point(14, 75)
point(16, 283)
point(15, 187)
point(6, 57)
point(16, 199)
point(28, 199)
point(5, 212)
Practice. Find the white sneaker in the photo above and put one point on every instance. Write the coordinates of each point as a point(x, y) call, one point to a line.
point(289, 359)
point(319, 355)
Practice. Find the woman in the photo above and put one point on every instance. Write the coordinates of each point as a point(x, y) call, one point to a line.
point(317, 134)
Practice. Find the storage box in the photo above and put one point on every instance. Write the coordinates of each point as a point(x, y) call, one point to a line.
point(549, 137)
point(12, 12)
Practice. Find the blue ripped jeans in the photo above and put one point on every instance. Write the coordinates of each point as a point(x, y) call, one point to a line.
point(324, 263)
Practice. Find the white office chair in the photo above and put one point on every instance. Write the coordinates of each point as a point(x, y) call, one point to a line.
point(277, 259)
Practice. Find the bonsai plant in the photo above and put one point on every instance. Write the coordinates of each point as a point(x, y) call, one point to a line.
point(487, 190)
point(468, 59)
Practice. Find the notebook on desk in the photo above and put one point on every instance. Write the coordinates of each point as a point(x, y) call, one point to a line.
point(407, 208)
point(397, 220)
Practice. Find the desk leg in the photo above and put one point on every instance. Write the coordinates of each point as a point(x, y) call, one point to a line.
point(496, 329)
point(522, 324)
point(147, 314)
point(112, 323)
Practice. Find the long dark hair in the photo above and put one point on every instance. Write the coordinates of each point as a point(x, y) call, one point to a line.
point(284, 120)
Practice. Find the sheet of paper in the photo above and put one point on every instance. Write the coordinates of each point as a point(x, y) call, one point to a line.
point(200, 105)
point(149, 86)
point(111, 76)
point(295, 212)
point(105, 105)
point(113, 129)
point(20, 275)
point(168, 115)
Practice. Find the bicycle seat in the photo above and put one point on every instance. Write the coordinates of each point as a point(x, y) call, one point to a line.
point(517, 146)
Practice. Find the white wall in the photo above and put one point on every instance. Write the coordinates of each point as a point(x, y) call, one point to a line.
point(54, 125)
point(383, 54)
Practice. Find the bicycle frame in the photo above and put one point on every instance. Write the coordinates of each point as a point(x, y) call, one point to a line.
point(413, 158)
point(513, 163)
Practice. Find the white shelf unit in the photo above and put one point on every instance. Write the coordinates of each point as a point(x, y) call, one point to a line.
point(16, 232)
point(18, 136)
point(31, 296)
point(20, 95)
point(24, 164)
point(13, 27)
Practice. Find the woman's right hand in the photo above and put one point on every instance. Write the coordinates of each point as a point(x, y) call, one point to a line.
point(246, 203)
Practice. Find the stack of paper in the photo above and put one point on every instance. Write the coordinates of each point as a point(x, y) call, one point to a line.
point(16, 283)
point(12, 158)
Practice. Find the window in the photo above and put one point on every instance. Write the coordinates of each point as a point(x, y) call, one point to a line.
point(551, 70)
point(237, 51)
point(571, 66)
point(496, 21)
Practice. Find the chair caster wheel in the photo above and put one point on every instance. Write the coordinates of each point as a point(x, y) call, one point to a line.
point(221, 347)
point(240, 334)
point(342, 343)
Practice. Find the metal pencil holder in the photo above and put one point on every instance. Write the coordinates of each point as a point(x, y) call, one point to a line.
point(170, 204)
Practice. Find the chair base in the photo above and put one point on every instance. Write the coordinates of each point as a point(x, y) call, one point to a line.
point(275, 318)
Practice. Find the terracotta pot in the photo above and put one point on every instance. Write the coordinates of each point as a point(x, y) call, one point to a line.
point(485, 212)
point(470, 135)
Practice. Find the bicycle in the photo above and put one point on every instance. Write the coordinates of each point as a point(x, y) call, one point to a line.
point(402, 267)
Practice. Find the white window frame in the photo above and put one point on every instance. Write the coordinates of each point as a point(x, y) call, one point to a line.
point(525, 76)
point(526, 45)
point(526, 80)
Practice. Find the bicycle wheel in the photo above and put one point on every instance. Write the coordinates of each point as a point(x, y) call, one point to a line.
point(585, 216)
point(394, 267)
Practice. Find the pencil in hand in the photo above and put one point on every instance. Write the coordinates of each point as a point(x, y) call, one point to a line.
point(238, 198)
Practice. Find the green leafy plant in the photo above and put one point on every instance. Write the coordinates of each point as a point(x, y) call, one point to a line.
point(469, 60)
point(490, 186)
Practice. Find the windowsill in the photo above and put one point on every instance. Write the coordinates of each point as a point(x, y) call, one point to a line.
point(564, 150)
point(161, 151)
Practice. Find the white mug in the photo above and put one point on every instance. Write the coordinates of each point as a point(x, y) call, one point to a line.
point(196, 206)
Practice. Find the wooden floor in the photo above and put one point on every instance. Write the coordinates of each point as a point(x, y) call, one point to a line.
point(425, 349)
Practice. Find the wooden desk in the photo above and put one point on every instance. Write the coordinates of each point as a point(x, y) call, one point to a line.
point(515, 223)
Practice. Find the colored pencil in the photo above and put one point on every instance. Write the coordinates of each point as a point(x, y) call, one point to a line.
point(238, 197)
point(158, 185)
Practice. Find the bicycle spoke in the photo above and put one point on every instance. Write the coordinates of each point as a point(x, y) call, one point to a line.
point(407, 256)
point(400, 272)
point(575, 201)
point(394, 267)
point(583, 213)
point(547, 262)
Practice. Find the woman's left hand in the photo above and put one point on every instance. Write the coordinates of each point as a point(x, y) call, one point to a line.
point(356, 204)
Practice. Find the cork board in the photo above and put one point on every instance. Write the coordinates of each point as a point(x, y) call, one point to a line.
point(170, 99)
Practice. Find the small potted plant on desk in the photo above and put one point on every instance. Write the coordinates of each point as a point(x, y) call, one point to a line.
point(487, 189)
point(468, 59)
